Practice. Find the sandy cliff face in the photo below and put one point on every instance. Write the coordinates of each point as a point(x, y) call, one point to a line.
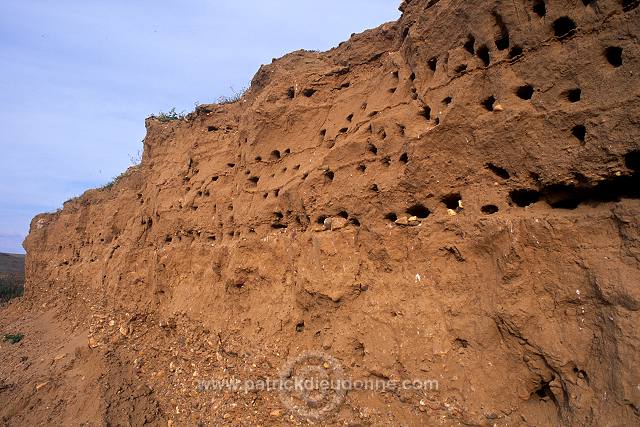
point(454, 196)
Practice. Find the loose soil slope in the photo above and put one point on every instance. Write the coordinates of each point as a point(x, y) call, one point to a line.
point(451, 196)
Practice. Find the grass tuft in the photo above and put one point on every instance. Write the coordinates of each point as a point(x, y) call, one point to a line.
point(237, 95)
point(108, 186)
point(170, 115)
point(13, 338)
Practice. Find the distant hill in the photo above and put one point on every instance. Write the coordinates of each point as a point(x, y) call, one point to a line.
point(11, 276)
point(11, 263)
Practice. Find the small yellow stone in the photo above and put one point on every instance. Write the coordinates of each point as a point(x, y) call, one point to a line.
point(402, 220)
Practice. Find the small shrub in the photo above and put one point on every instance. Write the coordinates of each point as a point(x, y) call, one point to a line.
point(136, 158)
point(114, 181)
point(71, 200)
point(13, 338)
point(237, 95)
point(170, 115)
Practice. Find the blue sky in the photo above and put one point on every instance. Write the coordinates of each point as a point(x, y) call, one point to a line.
point(77, 79)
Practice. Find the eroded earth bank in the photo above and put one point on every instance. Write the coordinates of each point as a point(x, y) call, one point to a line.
point(452, 196)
